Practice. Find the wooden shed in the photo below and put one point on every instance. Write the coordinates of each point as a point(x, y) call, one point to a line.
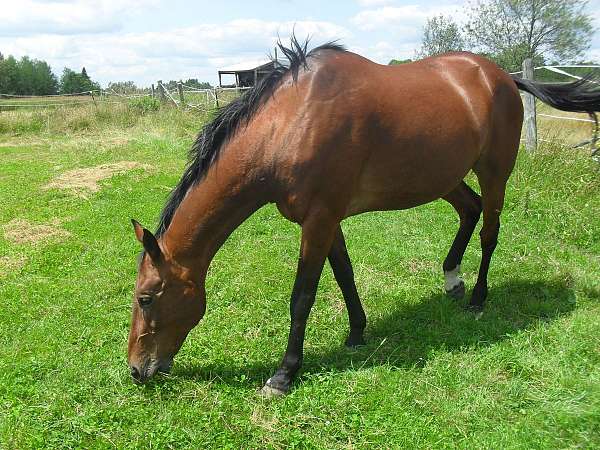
point(248, 73)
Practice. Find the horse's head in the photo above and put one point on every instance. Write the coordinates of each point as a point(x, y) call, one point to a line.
point(167, 304)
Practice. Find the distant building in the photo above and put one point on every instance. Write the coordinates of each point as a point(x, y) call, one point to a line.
point(247, 74)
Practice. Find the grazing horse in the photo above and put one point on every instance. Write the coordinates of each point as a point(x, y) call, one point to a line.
point(326, 137)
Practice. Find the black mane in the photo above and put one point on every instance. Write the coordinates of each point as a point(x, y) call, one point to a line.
point(208, 144)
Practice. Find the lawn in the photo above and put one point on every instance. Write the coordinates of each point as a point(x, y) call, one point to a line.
point(526, 374)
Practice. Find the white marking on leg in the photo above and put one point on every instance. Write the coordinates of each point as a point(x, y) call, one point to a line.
point(452, 278)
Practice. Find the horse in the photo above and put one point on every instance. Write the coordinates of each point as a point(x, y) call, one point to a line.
point(325, 137)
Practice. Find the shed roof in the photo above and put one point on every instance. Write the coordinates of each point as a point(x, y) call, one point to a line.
point(246, 66)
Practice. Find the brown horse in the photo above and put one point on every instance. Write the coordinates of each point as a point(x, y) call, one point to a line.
point(330, 136)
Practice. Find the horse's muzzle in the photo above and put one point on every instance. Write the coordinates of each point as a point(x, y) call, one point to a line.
point(140, 375)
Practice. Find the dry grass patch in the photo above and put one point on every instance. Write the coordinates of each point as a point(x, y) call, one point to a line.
point(10, 264)
point(24, 142)
point(83, 182)
point(21, 231)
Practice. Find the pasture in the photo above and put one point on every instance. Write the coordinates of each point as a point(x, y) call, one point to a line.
point(526, 374)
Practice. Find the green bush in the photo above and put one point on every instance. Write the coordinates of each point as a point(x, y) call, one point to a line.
point(144, 105)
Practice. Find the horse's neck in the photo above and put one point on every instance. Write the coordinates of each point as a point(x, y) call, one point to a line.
point(211, 211)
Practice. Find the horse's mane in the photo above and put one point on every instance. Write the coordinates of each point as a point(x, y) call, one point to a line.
point(210, 140)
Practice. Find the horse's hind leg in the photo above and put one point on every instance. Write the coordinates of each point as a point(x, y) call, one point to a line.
point(492, 195)
point(467, 204)
point(344, 275)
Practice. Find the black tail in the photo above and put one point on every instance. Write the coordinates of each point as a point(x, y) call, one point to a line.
point(579, 96)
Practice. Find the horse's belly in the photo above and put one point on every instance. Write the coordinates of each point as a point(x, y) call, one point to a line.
point(404, 178)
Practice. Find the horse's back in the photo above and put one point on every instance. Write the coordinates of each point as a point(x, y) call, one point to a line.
point(393, 137)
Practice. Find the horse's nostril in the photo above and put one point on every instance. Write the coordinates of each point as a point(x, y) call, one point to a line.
point(135, 373)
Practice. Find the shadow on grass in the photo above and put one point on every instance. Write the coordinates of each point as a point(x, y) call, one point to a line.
point(410, 334)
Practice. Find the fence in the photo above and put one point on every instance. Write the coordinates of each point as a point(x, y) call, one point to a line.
point(182, 96)
point(191, 97)
point(530, 124)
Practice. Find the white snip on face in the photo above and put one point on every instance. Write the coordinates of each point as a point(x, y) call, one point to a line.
point(452, 278)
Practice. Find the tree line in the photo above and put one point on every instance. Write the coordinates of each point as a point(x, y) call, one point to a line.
point(28, 76)
point(509, 31)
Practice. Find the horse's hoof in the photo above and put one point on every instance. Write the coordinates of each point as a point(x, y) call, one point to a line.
point(271, 392)
point(477, 310)
point(355, 340)
point(458, 291)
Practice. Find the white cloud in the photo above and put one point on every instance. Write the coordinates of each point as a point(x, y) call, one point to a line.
point(407, 17)
point(383, 52)
point(191, 52)
point(31, 17)
point(370, 3)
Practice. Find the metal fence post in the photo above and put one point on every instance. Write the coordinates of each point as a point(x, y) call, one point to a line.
point(530, 113)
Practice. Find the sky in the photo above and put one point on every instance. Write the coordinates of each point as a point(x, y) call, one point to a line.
point(148, 40)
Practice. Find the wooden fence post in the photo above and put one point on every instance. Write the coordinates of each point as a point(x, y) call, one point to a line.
point(180, 90)
point(216, 97)
point(161, 91)
point(153, 92)
point(530, 113)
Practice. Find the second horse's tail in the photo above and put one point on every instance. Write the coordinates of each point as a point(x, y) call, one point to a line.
point(579, 96)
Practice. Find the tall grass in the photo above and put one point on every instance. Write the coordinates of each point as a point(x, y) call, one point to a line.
point(91, 117)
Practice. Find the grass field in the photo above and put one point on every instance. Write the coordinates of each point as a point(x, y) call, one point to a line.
point(524, 375)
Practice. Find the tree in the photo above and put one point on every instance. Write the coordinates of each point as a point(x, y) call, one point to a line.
point(440, 35)
point(511, 30)
point(123, 87)
point(194, 83)
point(72, 82)
point(44, 81)
point(35, 77)
point(69, 82)
point(26, 77)
point(9, 76)
point(395, 62)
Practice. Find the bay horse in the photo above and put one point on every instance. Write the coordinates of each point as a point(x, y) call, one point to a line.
point(326, 137)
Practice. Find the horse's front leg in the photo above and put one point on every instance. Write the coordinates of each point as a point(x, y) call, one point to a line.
point(317, 236)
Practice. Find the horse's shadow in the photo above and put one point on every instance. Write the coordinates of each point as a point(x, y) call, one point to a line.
point(410, 334)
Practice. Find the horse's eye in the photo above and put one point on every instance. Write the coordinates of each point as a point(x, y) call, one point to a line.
point(145, 301)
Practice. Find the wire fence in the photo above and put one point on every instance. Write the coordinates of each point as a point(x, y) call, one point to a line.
point(182, 96)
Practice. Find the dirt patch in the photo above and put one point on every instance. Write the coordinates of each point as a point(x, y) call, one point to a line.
point(20, 231)
point(419, 265)
point(11, 264)
point(83, 182)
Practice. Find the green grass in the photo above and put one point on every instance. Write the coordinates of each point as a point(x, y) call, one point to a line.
point(525, 375)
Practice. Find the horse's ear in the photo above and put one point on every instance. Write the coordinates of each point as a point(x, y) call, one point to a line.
point(148, 240)
point(139, 230)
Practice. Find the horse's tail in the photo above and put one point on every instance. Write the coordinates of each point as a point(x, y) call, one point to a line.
point(582, 95)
